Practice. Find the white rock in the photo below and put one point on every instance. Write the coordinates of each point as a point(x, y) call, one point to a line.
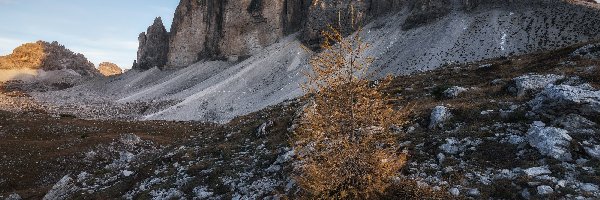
point(588, 187)
point(126, 173)
point(576, 123)
point(61, 189)
point(533, 82)
point(557, 98)
point(562, 183)
point(439, 115)
point(544, 190)
point(473, 192)
point(452, 146)
point(13, 196)
point(525, 194)
point(454, 191)
point(550, 141)
point(202, 192)
point(454, 91)
point(441, 158)
point(536, 171)
point(515, 139)
point(593, 151)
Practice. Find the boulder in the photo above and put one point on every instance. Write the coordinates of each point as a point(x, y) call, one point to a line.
point(536, 171)
point(62, 189)
point(593, 151)
point(577, 125)
point(544, 190)
point(439, 115)
point(558, 99)
point(109, 69)
point(454, 91)
point(534, 82)
point(550, 141)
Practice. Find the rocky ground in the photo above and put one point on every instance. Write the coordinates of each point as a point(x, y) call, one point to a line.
point(524, 127)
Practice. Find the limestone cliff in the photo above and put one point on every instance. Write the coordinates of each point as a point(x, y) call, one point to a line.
point(218, 29)
point(154, 46)
point(109, 69)
point(49, 57)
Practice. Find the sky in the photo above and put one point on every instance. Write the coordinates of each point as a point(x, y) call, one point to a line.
point(102, 30)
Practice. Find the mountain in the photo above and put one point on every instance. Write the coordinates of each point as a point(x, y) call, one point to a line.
point(48, 57)
point(109, 69)
point(219, 67)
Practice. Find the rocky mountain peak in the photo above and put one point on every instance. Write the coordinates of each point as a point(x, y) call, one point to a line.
point(153, 48)
point(109, 69)
point(49, 57)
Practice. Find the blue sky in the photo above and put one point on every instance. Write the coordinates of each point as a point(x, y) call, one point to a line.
point(102, 30)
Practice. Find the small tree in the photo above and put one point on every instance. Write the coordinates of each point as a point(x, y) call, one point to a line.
point(345, 142)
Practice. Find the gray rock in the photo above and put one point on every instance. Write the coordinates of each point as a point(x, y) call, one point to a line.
point(454, 191)
point(439, 115)
point(593, 151)
point(454, 91)
point(533, 82)
point(550, 141)
point(153, 47)
point(588, 187)
point(62, 189)
point(590, 51)
point(452, 146)
point(474, 192)
point(13, 196)
point(536, 171)
point(574, 123)
point(525, 194)
point(558, 99)
point(544, 190)
point(262, 129)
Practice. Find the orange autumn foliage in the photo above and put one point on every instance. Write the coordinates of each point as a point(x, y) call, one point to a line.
point(346, 141)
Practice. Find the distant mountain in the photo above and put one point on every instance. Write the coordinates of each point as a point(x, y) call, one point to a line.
point(48, 57)
point(109, 69)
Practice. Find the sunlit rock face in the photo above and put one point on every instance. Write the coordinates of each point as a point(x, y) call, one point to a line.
point(109, 69)
point(48, 57)
point(153, 48)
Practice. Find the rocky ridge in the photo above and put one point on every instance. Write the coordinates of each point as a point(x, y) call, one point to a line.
point(49, 57)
